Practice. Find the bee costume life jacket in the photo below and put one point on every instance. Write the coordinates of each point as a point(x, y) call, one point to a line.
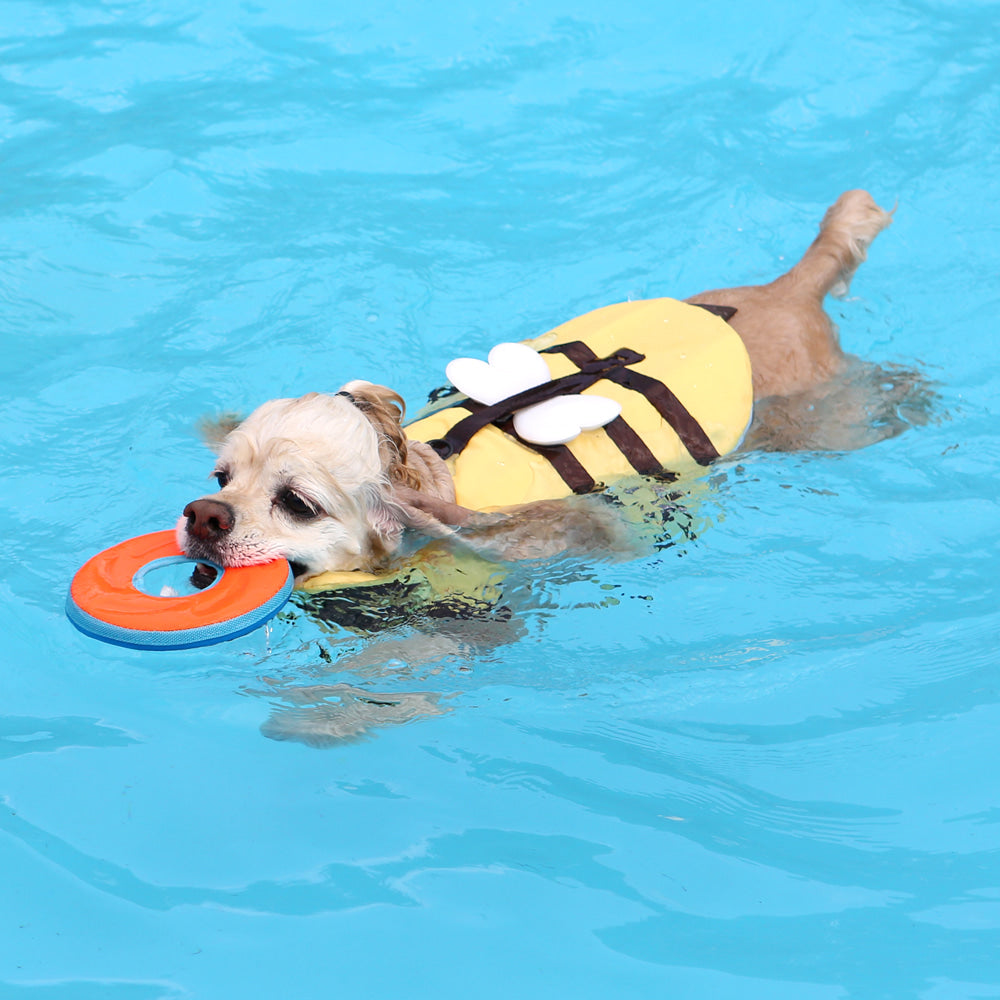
point(682, 376)
point(679, 371)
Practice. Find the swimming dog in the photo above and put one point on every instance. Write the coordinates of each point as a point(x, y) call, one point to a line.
point(331, 481)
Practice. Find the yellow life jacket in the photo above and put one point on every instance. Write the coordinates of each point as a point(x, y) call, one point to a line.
point(692, 353)
point(685, 389)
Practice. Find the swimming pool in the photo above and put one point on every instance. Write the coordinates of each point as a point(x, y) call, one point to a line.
point(758, 764)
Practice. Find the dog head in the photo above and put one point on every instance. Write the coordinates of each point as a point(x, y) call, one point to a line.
point(310, 480)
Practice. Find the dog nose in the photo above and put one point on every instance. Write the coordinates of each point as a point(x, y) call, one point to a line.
point(209, 519)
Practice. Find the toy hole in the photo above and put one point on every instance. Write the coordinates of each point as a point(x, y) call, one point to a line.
point(176, 576)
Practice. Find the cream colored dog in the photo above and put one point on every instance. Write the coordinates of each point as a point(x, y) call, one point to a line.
point(330, 482)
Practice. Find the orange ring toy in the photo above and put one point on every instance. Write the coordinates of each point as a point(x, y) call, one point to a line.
point(105, 600)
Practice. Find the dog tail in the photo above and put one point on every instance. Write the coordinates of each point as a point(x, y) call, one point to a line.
point(850, 225)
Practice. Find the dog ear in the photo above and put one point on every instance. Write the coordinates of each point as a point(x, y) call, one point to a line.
point(390, 511)
point(385, 410)
point(214, 430)
point(385, 524)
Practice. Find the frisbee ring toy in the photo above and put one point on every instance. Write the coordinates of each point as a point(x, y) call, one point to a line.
point(111, 596)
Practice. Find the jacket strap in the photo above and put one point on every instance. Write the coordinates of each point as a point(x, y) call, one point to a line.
point(660, 396)
point(563, 461)
point(591, 372)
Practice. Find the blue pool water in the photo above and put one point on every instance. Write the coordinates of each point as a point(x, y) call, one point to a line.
point(762, 763)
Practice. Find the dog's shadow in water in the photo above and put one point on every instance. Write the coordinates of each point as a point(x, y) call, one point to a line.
point(327, 714)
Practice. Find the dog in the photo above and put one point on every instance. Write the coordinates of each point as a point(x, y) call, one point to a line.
point(331, 482)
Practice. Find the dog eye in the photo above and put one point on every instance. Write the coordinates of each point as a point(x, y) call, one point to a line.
point(222, 478)
point(295, 505)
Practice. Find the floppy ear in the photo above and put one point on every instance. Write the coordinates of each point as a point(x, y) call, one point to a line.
point(399, 507)
point(385, 409)
point(385, 518)
point(215, 430)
